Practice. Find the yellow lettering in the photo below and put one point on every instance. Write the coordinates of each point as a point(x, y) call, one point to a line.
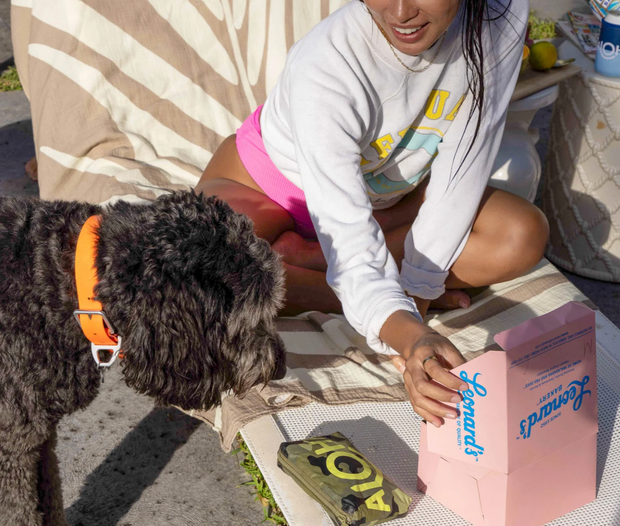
point(375, 502)
point(328, 446)
point(436, 104)
point(331, 466)
point(456, 109)
point(363, 162)
point(402, 132)
point(383, 145)
point(369, 485)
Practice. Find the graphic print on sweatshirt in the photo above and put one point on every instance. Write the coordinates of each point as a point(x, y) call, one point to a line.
point(394, 164)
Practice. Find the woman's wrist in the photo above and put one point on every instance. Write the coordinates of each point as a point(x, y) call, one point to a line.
point(421, 303)
point(402, 330)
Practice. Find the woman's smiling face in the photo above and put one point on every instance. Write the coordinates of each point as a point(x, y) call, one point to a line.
point(413, 26)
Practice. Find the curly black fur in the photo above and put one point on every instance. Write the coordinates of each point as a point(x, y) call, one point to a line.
point(193, 292)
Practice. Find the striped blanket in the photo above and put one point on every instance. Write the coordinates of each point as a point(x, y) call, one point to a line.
point(130, 100)
point(329, 363)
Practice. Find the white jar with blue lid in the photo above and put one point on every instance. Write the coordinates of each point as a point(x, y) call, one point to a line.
point(608, 52)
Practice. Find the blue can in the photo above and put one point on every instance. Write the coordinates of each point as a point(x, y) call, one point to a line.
point(608, 52)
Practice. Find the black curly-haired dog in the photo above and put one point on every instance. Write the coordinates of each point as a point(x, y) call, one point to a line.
point(186, 282)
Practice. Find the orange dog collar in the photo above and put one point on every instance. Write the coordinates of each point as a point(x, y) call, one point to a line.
point(90, 315)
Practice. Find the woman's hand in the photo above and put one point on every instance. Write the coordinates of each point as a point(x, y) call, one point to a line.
point(427, 379)
point(424, 359)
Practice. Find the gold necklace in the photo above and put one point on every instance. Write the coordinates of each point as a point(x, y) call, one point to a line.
point(394, 51)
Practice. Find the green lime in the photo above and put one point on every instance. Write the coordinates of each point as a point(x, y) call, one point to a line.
point(543, 55)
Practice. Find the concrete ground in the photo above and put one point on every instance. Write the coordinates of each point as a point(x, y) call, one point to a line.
point(125, 462)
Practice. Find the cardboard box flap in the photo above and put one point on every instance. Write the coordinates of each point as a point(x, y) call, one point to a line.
point(536, 327)
point(537, 397)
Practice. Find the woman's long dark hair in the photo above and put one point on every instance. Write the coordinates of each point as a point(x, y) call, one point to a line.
point(475, 14)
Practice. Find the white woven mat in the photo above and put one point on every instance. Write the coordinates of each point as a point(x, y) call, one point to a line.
point(388, 435)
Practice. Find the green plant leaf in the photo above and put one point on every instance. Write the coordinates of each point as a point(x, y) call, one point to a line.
point(9, 80)
point(261, 489)
point(541, 28)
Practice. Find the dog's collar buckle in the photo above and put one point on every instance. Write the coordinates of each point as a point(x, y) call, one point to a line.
point(114, 349)
point(110, 328)
point(114, 346)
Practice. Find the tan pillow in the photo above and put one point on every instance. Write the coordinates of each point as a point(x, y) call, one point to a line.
point(130, 99)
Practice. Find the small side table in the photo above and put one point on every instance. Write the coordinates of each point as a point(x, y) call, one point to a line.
point(581, 192)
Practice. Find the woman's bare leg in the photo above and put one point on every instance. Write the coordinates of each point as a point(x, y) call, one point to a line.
point(226, 177)
point(298, 251)
point(508, 238)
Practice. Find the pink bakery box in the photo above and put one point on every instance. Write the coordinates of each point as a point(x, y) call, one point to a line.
point(523, 450)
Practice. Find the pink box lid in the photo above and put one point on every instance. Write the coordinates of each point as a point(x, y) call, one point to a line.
point(532, 399)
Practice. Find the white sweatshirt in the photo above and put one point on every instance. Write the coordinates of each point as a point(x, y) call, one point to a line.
point(356, 131)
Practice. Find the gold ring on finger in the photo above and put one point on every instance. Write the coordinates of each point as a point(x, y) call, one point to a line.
point(432, 357)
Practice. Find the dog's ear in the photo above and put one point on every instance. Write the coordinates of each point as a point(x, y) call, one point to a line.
point(221, 251)
point(190, 349)
point(174, 350)
point(258, 356)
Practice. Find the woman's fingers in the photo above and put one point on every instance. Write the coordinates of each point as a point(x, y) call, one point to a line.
point(429, 384)
point(448, 354)
point(417, 384)
point(399, 362)
point(431, 419)
point(431, 389)
point(434, 369)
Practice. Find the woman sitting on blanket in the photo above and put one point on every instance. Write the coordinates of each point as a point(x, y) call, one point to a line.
point(378, 141)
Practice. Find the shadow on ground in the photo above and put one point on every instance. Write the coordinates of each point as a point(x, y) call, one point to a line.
point(135, 464)
point(16, 149)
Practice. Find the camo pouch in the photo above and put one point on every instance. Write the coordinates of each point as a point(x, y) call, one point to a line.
point(335, 474)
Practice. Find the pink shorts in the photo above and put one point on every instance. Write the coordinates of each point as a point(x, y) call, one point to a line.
point(277, 187)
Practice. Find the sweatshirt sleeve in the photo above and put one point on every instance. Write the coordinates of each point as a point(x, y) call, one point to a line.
point(457, 182)
point(329, 113)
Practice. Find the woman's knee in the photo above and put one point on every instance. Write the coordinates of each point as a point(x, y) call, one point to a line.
point(221, 163)
point(226, 164)
point(524, 238)
point(511, 230)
